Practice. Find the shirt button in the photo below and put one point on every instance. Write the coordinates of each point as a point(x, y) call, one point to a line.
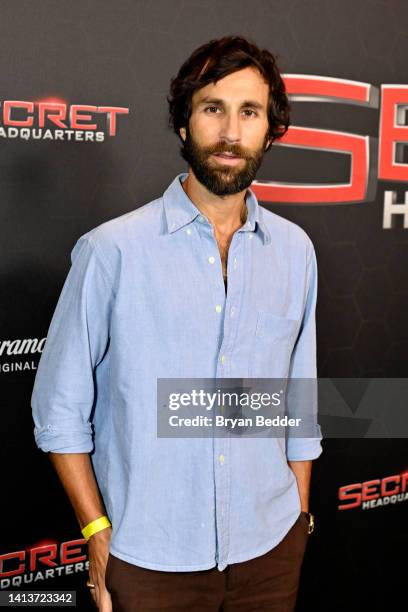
point(235, 262)
point(232, 311)
point(218, 308)
point(251, 235)
point(221, 458)
point(211, 259)
point(201, 219)
point(222, 358)
point(188, 230)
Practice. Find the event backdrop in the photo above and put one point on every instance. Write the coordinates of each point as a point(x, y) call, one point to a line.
point(84, 138)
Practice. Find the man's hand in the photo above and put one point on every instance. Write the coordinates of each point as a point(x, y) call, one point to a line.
point(98, 552)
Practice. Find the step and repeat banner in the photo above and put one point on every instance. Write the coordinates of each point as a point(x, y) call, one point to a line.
point(84, 138)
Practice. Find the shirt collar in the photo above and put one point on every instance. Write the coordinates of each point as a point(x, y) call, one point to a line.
point(180, 210)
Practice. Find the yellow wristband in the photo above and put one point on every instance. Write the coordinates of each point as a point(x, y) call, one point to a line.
point(95, 526)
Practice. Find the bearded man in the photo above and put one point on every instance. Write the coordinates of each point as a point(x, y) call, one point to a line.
point(201, 282)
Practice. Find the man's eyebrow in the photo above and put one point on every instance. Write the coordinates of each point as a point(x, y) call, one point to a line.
point(253, 103)
point(246, 103)
point(209, 100)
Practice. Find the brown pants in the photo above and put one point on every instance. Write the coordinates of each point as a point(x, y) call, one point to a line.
point(266, 583)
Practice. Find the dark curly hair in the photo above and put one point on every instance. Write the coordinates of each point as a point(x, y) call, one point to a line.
point(215, 60)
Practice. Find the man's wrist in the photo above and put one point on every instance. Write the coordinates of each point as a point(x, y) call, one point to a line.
point(95, 526)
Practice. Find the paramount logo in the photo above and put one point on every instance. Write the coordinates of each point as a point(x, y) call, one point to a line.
point(21, 347)
point(18, 348)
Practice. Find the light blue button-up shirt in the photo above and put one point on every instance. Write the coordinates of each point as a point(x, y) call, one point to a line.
point(145, 299)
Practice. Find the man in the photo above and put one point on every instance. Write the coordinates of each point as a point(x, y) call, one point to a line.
point(200, 283)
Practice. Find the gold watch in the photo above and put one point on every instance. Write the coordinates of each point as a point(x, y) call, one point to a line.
point(310, 518)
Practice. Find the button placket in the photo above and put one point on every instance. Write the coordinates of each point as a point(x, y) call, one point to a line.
point(212, 259)
point(232, 301)
point(222, 486)
point(227, 327)
point(224, 369)
point(213, 263)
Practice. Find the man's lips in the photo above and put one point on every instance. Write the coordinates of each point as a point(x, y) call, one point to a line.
point(226, 158)
point(229, 155)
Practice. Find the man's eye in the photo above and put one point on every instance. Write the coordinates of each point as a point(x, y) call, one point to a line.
point(211, 108)
point(249, 110)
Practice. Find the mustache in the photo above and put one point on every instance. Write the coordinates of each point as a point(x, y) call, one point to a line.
point(232, 149)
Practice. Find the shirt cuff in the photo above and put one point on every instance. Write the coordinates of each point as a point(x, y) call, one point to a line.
point(304, 449)
point(51, 438)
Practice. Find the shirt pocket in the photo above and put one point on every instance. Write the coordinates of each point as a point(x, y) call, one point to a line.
point(272, 345)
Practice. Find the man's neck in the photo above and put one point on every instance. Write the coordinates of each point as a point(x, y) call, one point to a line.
point(225, 213)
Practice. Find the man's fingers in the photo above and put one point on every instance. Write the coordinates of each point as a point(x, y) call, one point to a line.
point(93, 596)
point(101, 595)
point(93, 579)
point(105, 601)
point(98, 551)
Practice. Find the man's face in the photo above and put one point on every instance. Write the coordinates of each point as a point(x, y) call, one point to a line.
point(228, 131)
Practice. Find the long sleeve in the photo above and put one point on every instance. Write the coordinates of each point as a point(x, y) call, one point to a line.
point(77, 339)
point(302, 394)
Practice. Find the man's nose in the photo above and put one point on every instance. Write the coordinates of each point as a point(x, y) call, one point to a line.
point(230, 129)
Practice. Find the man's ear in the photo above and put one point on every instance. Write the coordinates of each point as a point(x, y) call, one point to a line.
point(182, 132)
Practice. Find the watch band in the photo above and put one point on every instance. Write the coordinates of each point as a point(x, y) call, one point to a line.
point(310, 518)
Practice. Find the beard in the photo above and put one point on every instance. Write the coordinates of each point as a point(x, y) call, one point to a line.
point(221, 179)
